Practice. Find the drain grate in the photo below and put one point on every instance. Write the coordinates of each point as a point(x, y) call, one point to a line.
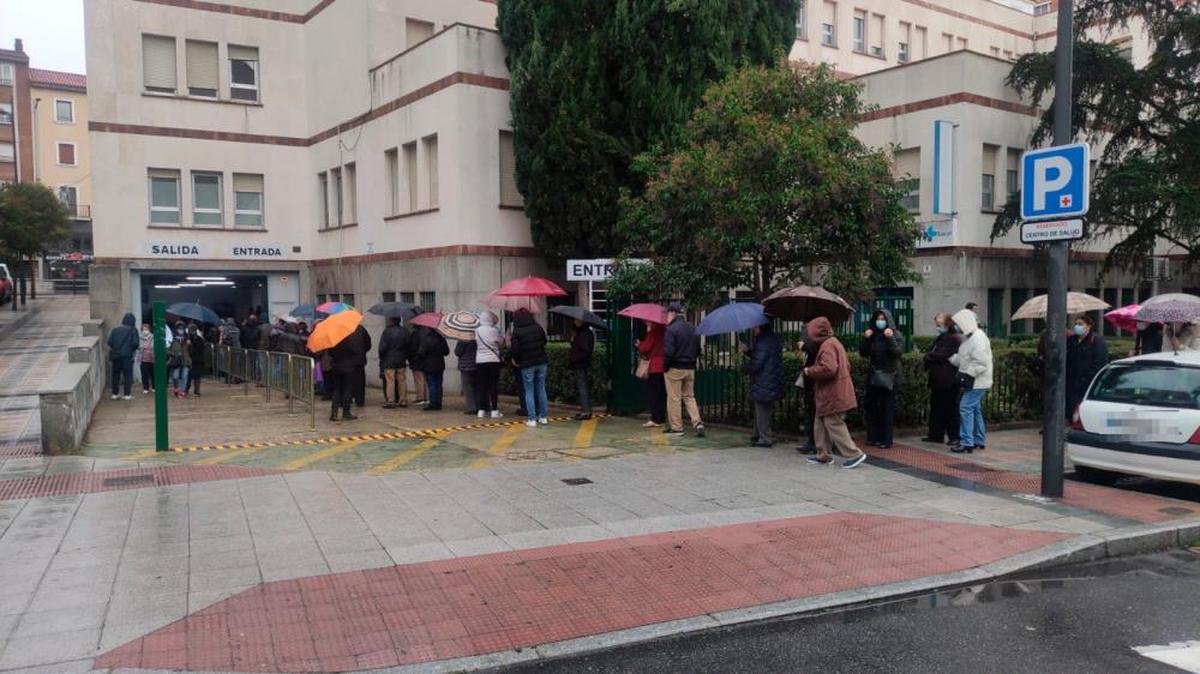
point(128, 480)
point(576, 481)
point(1176, 511)
point(968, 467)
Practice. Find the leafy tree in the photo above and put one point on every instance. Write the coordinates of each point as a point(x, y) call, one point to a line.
point(770, 186)
point(1146, 183)
point(596, 83)
point(31, 218)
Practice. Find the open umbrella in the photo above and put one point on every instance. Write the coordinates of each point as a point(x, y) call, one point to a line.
point(331, 331)
point(530, 286)
point(429, 319)
point(459, 325)
point(194, 311)
point(534, 305)
point(331, 308)
point(1170, 308)
point(733, 317)
point(1123, 318)
point(304, 311)
point(804, 303)
point(1077, 303)
point(581, 314)
point(645, 311)
point(401, 310)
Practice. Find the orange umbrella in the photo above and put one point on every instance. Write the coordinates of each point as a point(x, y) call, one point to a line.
point(331, 331)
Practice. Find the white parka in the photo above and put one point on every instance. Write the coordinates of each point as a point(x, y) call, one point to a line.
point(974, 355)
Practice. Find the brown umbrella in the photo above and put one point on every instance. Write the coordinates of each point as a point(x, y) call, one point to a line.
point(804, 303)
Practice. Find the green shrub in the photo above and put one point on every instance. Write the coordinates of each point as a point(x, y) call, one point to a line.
point(560, 379)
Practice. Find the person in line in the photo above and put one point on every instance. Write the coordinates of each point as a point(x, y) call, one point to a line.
point(146, 349)
point(179, 359)
point(231, 337)
point(197, 352)
point(420, 388)
point(393, 359)
point(468, 370)
point(881, 346)
point(1149, 338)
point(511, 362)
point(808, 352)
point(360, 375)
point(943, 383)
point(346, 358)
point(681, 350)
point(974, 363)
point(583, 343)
point(833, 395)
point(489, 343)
point(765, 368)
point(1087, 354)
point(529, 353)
point(122, 345)
point(650, 348)
point(432, 354)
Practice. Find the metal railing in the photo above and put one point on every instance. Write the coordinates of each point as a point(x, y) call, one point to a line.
point(274, 371)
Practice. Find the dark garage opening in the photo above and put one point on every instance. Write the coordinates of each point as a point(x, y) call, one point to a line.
point(236, 295)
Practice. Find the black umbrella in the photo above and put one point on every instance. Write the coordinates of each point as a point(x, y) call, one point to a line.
point(401, 310)
point(581, 314)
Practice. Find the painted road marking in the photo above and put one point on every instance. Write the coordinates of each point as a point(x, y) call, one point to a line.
point(218, 458)
point(140, 454)
point(321, 455)
point(659, 437)
point(404, 457)
point(583, 437)
point(1184, 655)
point(480, 463)
point(501, 445)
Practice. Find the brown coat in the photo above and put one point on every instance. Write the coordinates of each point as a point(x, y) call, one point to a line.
point(833, 387)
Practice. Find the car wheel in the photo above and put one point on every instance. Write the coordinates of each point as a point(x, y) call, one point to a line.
point(1097, 475)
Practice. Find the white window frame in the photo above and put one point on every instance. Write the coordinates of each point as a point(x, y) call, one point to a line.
point(912, 191)
point(219, 210)
point(177, 209)
point(8, 74)
point(859, 33)
point(10, 113)
point(12, 154)
point(73, 204)
point(236, 86)
point(828, 34)
point(262, 204)
point(802, 20)
point(58, 153)
point(70, 103)
point(987, 193)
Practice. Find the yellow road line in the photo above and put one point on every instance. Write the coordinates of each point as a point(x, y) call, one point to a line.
point(583, 437)
point(658, 437)
point(501, 445)
point(233, 454)
point(481, 463)
point(140, 454)
point(404, 457)
point(321, 455)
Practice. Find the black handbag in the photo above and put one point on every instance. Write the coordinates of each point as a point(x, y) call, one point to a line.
point(883, 380)
point(966, 381)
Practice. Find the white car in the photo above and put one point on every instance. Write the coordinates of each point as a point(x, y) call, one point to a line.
point(1141, 416)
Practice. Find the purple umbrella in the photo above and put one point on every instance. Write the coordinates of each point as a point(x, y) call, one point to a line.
point(1170, 308)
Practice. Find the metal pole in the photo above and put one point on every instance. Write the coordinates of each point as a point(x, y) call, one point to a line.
point(159, 315)
point(312, 394)
point(1056, 277)
point(291, 385)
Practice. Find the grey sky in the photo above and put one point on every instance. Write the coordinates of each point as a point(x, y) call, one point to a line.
point(52, 31)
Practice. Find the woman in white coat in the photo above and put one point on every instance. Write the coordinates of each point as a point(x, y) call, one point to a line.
point(974, 362)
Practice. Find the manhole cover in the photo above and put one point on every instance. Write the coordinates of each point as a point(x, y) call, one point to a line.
point(969, 467)
point(1173, 510)
point(576, 481)
point(127, 480)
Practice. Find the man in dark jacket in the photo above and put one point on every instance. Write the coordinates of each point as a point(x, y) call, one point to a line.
point(199, 352)
point(681, 350)
point(765, 368)
point(528, 349)
point(943, 383)
point(465, 351)
point(882, 347)
point(420, 388)
point(349, 357)
point(1087, 354)
point(432, 354)
point(123, 342)
point(393, 359)
point(583, 343)
point(359, 389)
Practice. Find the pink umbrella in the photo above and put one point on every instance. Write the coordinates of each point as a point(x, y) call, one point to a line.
point(645, 311)
point(530, 286)
point(534, 305)
point(429, 319)
point(1123, 318)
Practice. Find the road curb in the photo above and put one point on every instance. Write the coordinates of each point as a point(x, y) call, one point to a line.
point(22, 318)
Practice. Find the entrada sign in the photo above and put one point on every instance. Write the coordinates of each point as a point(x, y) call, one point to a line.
point(594, 270)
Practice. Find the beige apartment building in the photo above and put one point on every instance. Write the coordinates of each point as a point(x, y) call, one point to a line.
point(257, 154)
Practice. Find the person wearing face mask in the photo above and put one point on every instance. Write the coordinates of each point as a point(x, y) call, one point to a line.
point(974, 364)
point(943, 383)
point(1087, 353)
point(179, 359)
point(881, 346)
point(146, 349)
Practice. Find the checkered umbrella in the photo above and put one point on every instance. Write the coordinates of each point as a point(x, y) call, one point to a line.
point(1170, 308)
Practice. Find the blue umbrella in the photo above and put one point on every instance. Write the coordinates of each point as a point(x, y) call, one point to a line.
point(733, 317)
point(194, 311)
point(304, 311)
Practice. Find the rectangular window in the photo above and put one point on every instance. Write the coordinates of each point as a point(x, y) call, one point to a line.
point(6, 113)
point(907, 170)
point(860, 31)
point(921, 49)
point(1011, 186)
point(431, 167)
point(335, 175)
point(66, 154)
point(416, 32)
point(348, 298)
point(987, 196)
point(428, 301)
point(247, 200)
point(243, 73)
point(202, 68)
point(410, 174)
point(69, 196)
point(158, 63)
point(801, 20)
point(164, 197)
point(902, 47)
point(321, 298)
point(7, 74)
point(408, 297)
point(323, 189)
point(875, 35)
point(6, 152)
point(948, 41)
point(206, 198)
point(351, 173)
point(389, 296)
point(829, 24)
point(391, 163)
point(64, 111)
point(995, 51)
point(962, 43)
point(509, 194)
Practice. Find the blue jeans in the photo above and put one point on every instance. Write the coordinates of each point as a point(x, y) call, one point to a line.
point(970, 412)
point(534, 378)
point(433, 380)
point(179, 378)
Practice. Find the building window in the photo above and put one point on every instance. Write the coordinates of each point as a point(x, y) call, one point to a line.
point(829, 24)
point(902, 47)
point(202, 69)
point(391, 163)
point(408, 297)
point(902, 52)
point(860, 31)
point(6, 114)
point(428, 301)
point(921, 48)
point(410, 174)
point(987, 200)
point(801, 20)
point(158, 63)
point(962, 43)
point(875, 36)
point(6, 74)
point(206, 198)
point(6, 152)
point(335, 175)
point(321, 298)
point(388, 296)
point(243, 73)
point(431, 167)
point(348, 298)
point(416, 32)
point(66, 154)
point(164, 197)
point(64, 111)
point(69, 196)
point(351, 173)
point(509, 194)
point(323, 188)
point(1011, 186)
point(907, 170)
point(247, 200)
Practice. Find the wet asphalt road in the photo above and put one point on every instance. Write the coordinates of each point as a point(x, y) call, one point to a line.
point(1076, 619)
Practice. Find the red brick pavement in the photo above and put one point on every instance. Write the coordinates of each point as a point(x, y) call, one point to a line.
point(126, 478)
point(1119, 502)
point(490, 603)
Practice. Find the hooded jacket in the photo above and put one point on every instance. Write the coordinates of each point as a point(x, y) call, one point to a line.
point(765, 367)
point(974, 357)
point(489, 340)
point(833, 387)
point(528, 341)
point(123, 340)
point(883, 352)
point(393, 347)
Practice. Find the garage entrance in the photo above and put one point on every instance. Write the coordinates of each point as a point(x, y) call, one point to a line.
point(228, 294)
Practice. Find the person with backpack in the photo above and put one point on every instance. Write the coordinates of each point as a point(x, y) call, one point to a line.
point(179, 360)
point(123, 343)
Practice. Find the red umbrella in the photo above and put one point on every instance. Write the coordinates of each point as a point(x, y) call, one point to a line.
point(1123, 318)
point(429, 319)
point(530, 286)
point(645, 311)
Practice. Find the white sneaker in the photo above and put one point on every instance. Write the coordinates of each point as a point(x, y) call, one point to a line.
point(129, 397)
point(650, 424)
point(543, 421)
point(481, 414)
point(496, 414)
point(144, 392)
point(532, 423)
point(115, 397)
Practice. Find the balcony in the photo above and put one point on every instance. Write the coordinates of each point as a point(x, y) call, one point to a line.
point(78, 211)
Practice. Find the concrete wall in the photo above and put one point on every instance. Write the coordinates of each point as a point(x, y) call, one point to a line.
point(67, 401)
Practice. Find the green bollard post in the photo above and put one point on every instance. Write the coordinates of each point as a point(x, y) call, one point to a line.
point(159, 313)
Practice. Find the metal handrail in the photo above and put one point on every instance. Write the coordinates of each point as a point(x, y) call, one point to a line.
point(287, 373)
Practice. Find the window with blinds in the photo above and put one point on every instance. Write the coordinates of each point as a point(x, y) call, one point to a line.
point(164, 196)
point(158, 63)
point(247, 200)
point(829, 24)
point(509, 194)
point(202, 69)
point(987, 183)
point(243, 73)
point(206, 198)
point(908, 177)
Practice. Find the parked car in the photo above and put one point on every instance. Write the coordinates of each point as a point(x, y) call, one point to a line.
point(1141, 416)
point(6, 284)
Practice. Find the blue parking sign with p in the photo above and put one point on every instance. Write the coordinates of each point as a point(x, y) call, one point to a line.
point(1055, 182)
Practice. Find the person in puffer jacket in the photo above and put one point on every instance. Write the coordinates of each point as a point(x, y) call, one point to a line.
point(765, 368)
point(974, 363)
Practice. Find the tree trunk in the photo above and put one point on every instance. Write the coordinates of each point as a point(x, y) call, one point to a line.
point(33, 278)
